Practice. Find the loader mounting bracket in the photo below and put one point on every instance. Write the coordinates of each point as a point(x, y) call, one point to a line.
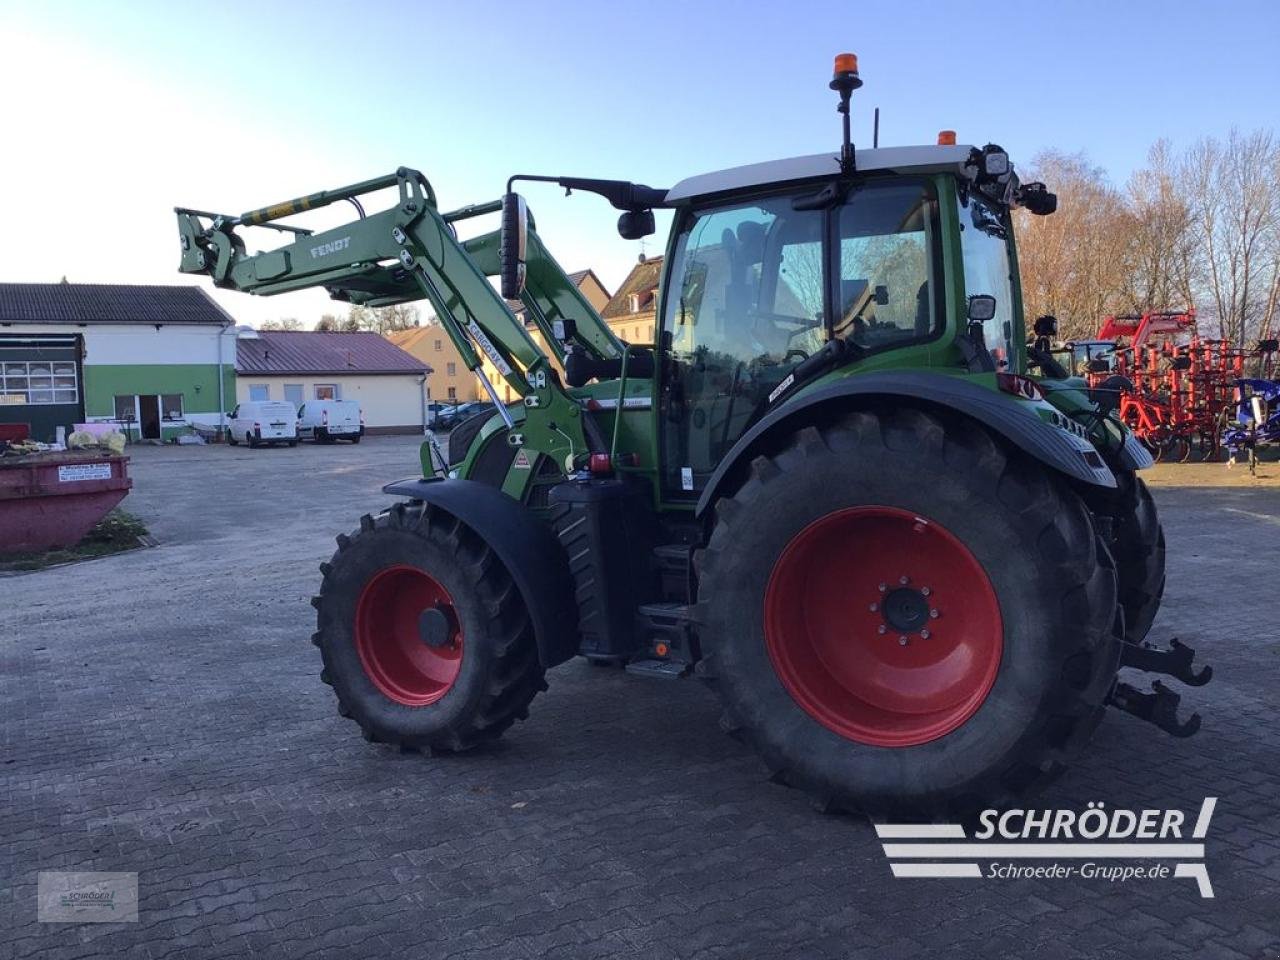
point(1160, 707)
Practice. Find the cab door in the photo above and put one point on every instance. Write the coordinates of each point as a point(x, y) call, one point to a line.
point(745, 305)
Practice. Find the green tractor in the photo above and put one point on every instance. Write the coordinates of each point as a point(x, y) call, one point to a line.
point(830, 487)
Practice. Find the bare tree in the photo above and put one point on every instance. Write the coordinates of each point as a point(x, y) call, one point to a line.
point(1162, 241)
point(328, 323)
point(1077, 263)
point(1232, 189)
point(281, 323)
point(383, 320)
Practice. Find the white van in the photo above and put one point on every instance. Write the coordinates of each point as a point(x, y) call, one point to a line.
point(264, 421)
point(325, 421)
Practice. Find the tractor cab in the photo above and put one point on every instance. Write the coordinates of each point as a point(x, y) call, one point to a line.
point(782, 275)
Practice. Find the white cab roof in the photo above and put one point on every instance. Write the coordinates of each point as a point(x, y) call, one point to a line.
point(923, 159)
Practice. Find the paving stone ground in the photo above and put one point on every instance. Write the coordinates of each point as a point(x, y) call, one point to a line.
point(162, 714)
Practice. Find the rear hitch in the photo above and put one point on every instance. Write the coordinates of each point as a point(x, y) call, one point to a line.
point(1159, 707)
point(1174, 662)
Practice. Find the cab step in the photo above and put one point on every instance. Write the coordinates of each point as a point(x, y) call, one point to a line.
point(662, 669)
point(671, 561)
point(670, 648)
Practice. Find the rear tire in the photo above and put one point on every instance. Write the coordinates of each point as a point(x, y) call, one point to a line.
point(873, 725)
point(356, 438)
point(386, 588)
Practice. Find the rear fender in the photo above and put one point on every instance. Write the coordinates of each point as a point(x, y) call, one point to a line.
point(527, 548)
point(1013, 419)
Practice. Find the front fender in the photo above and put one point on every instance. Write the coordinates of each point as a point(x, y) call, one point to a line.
point(1014, 419)
point(527, 548)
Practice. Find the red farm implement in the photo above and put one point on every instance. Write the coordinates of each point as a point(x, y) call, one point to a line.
point(1182, 384)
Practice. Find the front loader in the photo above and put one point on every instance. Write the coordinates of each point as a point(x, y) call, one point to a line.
point(830, 487)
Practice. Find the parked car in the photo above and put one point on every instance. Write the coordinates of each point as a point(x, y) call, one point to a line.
point(436, 409)
point(326, 421)
point(453, 416)
point(263, 421)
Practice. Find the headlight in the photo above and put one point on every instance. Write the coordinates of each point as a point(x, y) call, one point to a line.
point(995, 162)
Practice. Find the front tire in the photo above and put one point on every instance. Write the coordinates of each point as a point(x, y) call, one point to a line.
point(1139, 551)
point(425, 639)
point(1007, 612)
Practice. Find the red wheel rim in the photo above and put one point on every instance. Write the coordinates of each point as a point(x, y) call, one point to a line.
point(883, 626)
point(390, 632)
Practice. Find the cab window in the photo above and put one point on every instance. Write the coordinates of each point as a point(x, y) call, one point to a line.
point(747, 305)
point(984, 241)
point(888, 239)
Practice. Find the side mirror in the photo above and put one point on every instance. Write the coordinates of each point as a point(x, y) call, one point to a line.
point(515, 241)
point(636, 224)
point(982, 307)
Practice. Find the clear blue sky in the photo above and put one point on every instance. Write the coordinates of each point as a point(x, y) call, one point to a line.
point(134, 107)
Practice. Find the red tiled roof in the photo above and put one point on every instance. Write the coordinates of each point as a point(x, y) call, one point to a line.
point(642, 279)
point(107, 303)
point(304, 351)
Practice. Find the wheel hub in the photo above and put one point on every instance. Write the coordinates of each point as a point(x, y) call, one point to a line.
point(906, 610)
point(433, 627)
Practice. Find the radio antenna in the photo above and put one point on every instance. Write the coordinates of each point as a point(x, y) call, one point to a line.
point(875, 130)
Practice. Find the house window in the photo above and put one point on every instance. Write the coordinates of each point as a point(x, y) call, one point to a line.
point(451, 368)
point(651, 333)
point(39, 382)
point(328, 391)
point(259, 391)
point(171, 406)
point(294, 393)
point(125, 409)
point(635, 303)
point(453, 393)
point(439, 346)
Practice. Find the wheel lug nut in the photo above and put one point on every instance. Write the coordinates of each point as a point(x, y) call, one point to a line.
point(874, 607)
point(924, 634)
point(925, 591)
point(881, 629)
point(933, 614)
point(883, 587)
point(904, 579)
point(902, 641)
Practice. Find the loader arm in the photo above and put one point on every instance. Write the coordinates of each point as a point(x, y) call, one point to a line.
point(410, 252)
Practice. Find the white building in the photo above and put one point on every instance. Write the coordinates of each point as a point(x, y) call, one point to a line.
point(298, 366)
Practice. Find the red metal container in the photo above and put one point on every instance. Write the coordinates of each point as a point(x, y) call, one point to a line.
point(54, 499)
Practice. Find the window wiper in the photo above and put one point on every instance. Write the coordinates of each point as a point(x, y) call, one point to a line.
point(828, 196)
